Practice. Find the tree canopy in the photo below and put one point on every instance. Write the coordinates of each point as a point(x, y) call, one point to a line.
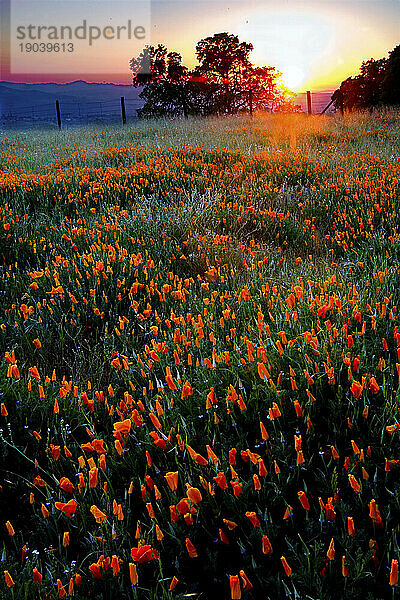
point(224, 81)
point(222, 57)
point(377, 84)
point(156, 64)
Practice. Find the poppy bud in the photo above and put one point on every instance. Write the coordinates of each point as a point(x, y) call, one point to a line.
point(221, 480)
point(174, 514)
point(191, 549)
point(172, 480)
point(173, 584)
point(223, 537)
point(304, 500)
point(354, 484)
point(350, 526)
point(288, 570)
point(9, 580)
point(266, 545)
point(394, 573)
point(331, 550)
point(10, 529)
point(345, 571)
point(234, 582)
point(247, 585)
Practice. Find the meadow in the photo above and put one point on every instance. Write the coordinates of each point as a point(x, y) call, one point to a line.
point(200, 359)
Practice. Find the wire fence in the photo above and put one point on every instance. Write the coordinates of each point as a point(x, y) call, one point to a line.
point(72, 112)
point(76, 111)
point(320, 100)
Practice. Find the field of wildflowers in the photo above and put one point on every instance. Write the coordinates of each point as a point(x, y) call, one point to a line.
point(200, 360)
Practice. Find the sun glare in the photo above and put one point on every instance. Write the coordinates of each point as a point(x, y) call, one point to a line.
point(293, 77)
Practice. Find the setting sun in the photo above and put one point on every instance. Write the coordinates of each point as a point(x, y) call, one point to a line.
point(293, 77)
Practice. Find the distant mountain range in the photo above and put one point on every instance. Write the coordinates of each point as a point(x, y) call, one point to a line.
point(79, 101)
point(83, 102)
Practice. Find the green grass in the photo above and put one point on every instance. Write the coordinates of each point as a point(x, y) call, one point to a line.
point(195, 246)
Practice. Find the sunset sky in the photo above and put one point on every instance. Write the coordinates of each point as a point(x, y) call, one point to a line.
point(315, 44)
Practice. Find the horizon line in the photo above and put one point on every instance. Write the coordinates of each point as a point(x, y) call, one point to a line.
point(2, 81)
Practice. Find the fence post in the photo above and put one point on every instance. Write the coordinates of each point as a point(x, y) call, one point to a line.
point(309, 109)
point(58, 114)
point(123, 110)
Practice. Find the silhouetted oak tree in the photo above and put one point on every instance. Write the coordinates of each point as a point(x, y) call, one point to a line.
point(224, 82)
point(377, 84)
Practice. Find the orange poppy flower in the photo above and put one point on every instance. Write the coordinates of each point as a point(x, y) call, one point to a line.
point(257, 483)
point(264, 433)
point(237, 488)
point(247, 585)
point(288, 513)
point(286, 566)
point(345, 571)
point(173, 513)
point(183, 506)
point(354, 484)
point(223, 537)
point(356, 389)
point(115, 565)
point(373, 385)
point(10, 528)
point(350, 526)
point(220, 480)
point(191, 549)
point(172, 480)
point(98, 515)
point(262, 471)
point(194, 495)
point(96, 570)
point(133, 574)
point(253, 518)
point(304, 500)
point(9, 580)
point(187, 390)
point(335, 454)
point(266, 546)
point(143, 554)
point(230, 524)
point(66, 485)
point(173, 584)
point(67, 508)
point(170, 382)
point(122, 427)
point(331, 550)
point(263, 371)
point(394, 573)
point(37, 576)
point(98, 445)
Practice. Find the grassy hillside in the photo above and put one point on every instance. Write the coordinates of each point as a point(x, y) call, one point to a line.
point(200, 359)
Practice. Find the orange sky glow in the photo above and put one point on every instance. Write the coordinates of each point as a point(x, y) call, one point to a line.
point(315, 44)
